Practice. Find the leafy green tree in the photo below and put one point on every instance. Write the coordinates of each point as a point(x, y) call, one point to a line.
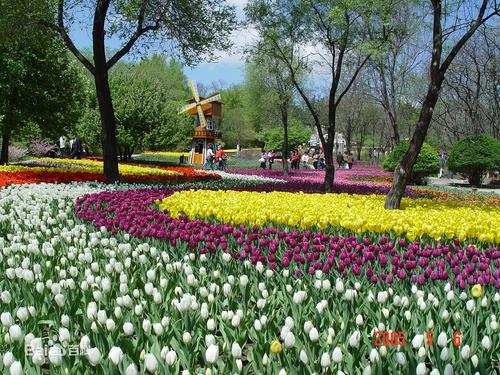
point(236, 126)
point(297, 135)
point(192, 27)
point(427, 162)
point(146, 97)
point(474, 156)
point(347, 31)
point(39, 84)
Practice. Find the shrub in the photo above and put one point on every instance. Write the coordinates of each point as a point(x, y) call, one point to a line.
point(427, 162)
point(41, 147)
point(17, 153)
point(474, 155)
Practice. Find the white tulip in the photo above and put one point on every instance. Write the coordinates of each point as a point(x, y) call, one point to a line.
point(465, 352)
point(421, 352)
point(401, 358)
point(493, 325)
point(6, 319)
point(55, 355)
point(94, 356)
point(257, 325)
point(475, 360)
point(444, 354)
point(212, 354)
point(313, 334)
point(16, 368)
point(448, 369)
point(128, 328)
point(303, 357)
point(470, 305)
point(417, 341)
point(325, 360)
point(308, 326)
point(339, 286)
point(265, 359)
point(282, 372)
point(171, 357)
point(442, 340)
point(150, 362)
point(289, 340)
point(115, 355)
point(243, 280)
point(359, 320)
point(445, 315)
point(131, 370)
point(8, 359)
point(337, 355)
point(382, 297)
point(64, 334)
point(15, 333)
point(22, 314)
point(236, 350)
point(434, 372)
point(382, 351)
point(209, 340)
point(374, 356)
point(486, 342)
point(289, 322)
point(355, 339)
point(421, 369)
point(211, 324)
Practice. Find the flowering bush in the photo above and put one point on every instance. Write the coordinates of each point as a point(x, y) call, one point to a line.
point(77, 297)
point(17, 153)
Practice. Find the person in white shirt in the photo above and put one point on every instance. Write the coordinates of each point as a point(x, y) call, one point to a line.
point(210, 157)
point(305, 161)
point(62, 145)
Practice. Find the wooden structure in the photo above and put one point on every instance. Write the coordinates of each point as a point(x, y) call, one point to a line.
point(207, 112)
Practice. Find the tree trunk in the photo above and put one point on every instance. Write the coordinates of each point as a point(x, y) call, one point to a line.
point(108, 131)
point(403, 171)
point(4, 156)
point(284, 121)
point(329, 165)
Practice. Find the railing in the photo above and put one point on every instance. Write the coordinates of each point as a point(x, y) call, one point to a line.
point(205, 133)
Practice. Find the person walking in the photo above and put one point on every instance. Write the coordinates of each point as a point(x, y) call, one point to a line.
point(271, 156)
point(350, 160)
point(263, 159)
point(442, 162)
point(62, 146)
point(210, 157)
point(315, 161)
point(76, 148)
point(339, 159)
point(220, 158)
point(345, 160)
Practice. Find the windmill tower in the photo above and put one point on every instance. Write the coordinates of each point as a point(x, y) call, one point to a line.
point(207, 113)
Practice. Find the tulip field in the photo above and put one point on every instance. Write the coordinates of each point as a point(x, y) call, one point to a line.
point(186, 271)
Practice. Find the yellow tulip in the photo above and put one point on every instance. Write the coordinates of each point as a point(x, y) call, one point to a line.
point(477, 291)
point(275, 347)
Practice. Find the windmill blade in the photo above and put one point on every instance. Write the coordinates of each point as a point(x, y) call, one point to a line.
point(213, 98)
point(203, 120)
point(194, 91)
point(186, 108)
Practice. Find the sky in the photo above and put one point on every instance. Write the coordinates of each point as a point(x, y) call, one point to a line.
point(228, 69)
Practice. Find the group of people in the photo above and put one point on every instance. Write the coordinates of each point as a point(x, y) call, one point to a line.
point(217, 159)
point(345, 160)
point(267, 159)
point(75, 147)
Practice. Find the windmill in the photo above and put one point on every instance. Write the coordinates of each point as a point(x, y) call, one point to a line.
point(207, 111)
point(201, 104)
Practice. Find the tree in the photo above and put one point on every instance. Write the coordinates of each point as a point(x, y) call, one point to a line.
point(470, 103)
point(391, 68)
point(235, 125)
point(276, 80)
point(39, 84)
point(297, 135)
point(475, 155)
point(146, 98)
point(193, 27)
point(347, 32)
point(443, 29)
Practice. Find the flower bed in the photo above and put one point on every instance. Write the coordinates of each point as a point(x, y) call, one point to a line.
point(191, 296)
point(359, 213)
point(64, 170)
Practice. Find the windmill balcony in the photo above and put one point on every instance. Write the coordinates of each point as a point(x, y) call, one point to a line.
point(205, 133)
